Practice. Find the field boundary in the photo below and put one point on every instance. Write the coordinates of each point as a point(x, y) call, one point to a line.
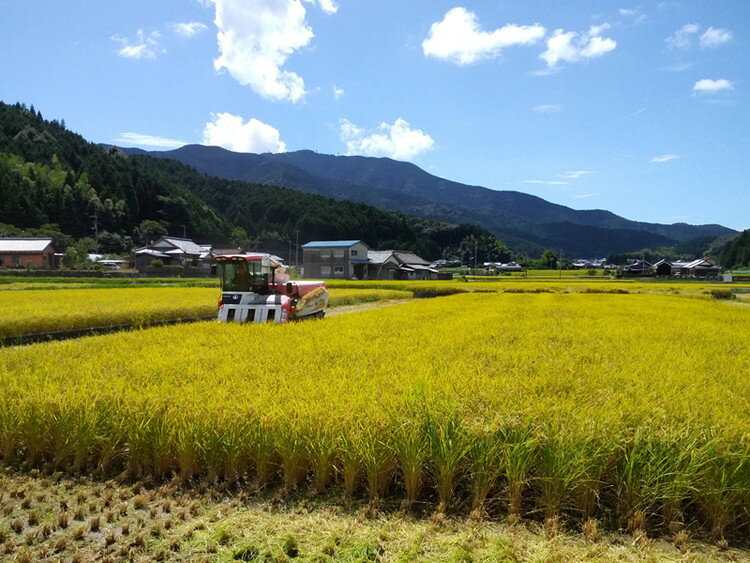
point(32, 338)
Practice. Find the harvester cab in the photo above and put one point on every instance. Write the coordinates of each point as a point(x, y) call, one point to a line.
point(256, 288)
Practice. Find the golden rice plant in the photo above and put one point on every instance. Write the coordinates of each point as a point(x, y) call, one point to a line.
point(629, 408)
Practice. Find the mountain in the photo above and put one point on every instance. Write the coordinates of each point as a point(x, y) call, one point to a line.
point(527, 223)
point(53, 181)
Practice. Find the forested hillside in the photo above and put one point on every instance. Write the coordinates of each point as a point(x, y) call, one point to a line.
point(52, 180)
point(50, 175)
point(736, 254)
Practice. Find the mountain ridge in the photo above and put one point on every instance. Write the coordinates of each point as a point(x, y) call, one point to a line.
point(527, 222)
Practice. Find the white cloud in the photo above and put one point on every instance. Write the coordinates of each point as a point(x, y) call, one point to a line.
point(143, 46)
point(548, 108)
point(683, 37)
point(584, 196)
point(575, 174)
point(547, 182)
point(571, 47)
point(679, 67)
point(398, 141)
point(188, 29)
point(229, 131)
point(141, 140)
point(708, 86)
point(459, 39)
point(665, 158)
point(256, 37)
point(626, 12)
point(337, 93)
point(714, 37)
point(328, 6)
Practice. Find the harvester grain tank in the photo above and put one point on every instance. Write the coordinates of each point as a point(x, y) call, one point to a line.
point(256, 289)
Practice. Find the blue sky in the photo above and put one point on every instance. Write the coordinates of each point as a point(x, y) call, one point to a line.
point(636, 107)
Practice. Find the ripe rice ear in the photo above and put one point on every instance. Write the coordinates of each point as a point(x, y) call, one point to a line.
point(449, 446)
point(411, 447)
point(349, 460)
point(518, 454)
point(321, 451)
point(292, 449)
point(376, 458)
point(484, 467)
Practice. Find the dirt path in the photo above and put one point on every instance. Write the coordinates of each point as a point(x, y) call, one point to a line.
point(359, 307)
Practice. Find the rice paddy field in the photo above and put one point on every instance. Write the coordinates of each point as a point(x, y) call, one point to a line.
point(591, 411)
point(38, 311)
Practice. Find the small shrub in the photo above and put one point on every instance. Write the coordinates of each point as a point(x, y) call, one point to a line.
point(722, 293)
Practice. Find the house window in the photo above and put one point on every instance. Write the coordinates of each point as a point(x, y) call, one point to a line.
point(325, 253)
point(354, 252)
point(338, 271)
point(16, 260)
point(325, 270)
point(338, 253)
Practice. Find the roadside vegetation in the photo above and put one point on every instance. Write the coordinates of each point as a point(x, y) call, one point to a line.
point(576, 411)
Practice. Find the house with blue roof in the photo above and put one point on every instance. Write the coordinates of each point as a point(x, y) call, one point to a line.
point(338, 259)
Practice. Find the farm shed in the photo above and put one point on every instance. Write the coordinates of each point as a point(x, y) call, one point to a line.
point(27, 252)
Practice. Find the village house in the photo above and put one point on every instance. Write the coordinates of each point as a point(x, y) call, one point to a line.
point(27, 252)
point(503, 266)
point(352, 259)
point(637, 268)
point(341, 259)
point(701, 268)
point(399, 265)
point(172, 251)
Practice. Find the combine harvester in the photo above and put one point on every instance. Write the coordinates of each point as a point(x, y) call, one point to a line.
point(256, 289)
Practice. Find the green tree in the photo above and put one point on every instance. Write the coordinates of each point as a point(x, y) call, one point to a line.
point(76, 256)
point(151, 230)
point(549, 259)
point(468, 250)
point(239, 238)
point(111, 243)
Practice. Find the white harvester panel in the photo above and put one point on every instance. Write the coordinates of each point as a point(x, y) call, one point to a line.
point(247, 307)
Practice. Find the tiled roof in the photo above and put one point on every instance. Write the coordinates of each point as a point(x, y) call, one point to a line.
point(379, 256)
point(149, 252)
point(410, 258)
point(185, 245)
point(330, 243)
point(24, 244)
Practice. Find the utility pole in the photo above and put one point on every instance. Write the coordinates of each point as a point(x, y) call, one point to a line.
point(95, 217)
point(296, 250)
point(184, 232)
point(476, 245)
